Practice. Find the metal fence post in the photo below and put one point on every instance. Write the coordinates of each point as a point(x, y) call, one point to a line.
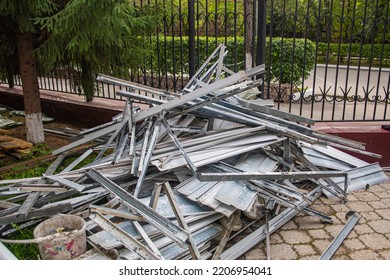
point(191, 35)
point(261, 32)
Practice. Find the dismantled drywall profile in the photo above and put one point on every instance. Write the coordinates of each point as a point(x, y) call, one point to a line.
point(182, 178)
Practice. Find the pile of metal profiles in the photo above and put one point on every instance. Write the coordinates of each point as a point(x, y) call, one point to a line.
point(184, 177)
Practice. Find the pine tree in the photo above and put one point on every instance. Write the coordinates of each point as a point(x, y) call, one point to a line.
point(85, 36)
point(97, 36)
point(20, 31)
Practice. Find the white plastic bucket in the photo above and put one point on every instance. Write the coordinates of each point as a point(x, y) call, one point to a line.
point(64, 237)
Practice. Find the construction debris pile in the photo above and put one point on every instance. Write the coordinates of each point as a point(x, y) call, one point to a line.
point(197, 168)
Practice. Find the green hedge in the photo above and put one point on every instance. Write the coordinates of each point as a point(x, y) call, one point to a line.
point(289, 63)
point(368, 52)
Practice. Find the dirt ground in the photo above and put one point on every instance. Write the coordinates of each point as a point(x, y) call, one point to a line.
point(51, 140)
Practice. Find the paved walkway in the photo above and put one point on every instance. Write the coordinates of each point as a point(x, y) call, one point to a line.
point(306, 238)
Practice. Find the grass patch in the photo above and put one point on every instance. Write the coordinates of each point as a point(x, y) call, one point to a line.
point(23, 251)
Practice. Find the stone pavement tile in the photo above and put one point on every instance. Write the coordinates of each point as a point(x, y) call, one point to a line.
point(275, 238)
point(326, 209)
point(363, 229)
point(366, 196)
point(386, 201)
point(312, 257)
point(384, 194)
point(319, 234)
point(342, 250)
point(384, 213)
point(375, 241)
point(378, 188)
point(385, 254)
point(353, 244)
point(295, 236)
point(304, 250)
point(352, 197)
point(290, 225)
point(283, 252)
point(364, 255)
point(340, 207)
point(256, 254)
point(380, 226)
point(341, 257)
point(308, 222)
point(340, 216)
point(321, 244)
point(334, 230)
point(371, 216)
point(378, 204)
point(359, 206)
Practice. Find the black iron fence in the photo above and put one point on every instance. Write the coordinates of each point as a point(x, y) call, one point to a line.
point(328, 60)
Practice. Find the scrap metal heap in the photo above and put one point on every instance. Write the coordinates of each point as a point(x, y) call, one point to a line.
point(182, 178)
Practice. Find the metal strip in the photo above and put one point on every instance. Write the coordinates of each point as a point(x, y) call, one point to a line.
point(273, 112)
point(116, 213)
point(198, 93)
point(127, 240)
point(87, 138)
point(35, 214)
point(28, 203)
point(163, 224)
point(134, 86)
point(259, 235)
point(144, 146)
point(66, 182)
point(332, 248)
point(225, 238)
point(147, 240)
point(6, 254)
point(77, 161)
point(247, 176)
point(138, 97)
point(152, 144)
point(181, 221)
point(179, 146)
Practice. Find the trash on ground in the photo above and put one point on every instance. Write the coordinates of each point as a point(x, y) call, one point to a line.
point(182, 178)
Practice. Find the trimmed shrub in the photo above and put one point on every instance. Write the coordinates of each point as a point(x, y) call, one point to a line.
point(376, 53)
point(291, 59)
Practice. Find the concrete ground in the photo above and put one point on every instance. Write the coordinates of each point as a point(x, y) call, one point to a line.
point(306, 238)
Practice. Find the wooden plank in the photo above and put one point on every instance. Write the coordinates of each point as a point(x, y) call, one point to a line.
point(4, 138)
point(21, 143)
point(5, 132)
point(8, 145)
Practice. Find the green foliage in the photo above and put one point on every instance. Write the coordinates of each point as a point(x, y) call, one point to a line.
point(377, 54)
point(23, 251)
point(291, 59)
point(21, 12)
point(97, 36)
point(37, 151)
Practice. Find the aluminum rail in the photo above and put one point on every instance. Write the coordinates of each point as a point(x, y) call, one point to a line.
point(127, 240)
point(199, 93)
point(88, 138)
point(66, 182)
point(168, 228)
point(273, 112)
point(332, 248)
point(6, 254)
point(134, 86)
point(247, 176)
point(244, 245)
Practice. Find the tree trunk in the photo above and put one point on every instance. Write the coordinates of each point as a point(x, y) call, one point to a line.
point(87, 79)
point(29, 75)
